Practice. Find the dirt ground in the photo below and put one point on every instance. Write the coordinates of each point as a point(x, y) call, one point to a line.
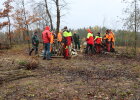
point(98, 77)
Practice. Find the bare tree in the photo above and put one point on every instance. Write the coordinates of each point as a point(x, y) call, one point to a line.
point(39, 8)
point(132, 22)
point(25, 20)
point(60, 4)
point(7, 10)
point(48, 12)
point(58, 15)
point(135, 2)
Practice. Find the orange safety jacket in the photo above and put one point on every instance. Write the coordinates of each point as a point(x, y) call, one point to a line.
point(59, 37)
point(108, 37)
point(51, 41)
point(112, 36)
point(52, 38)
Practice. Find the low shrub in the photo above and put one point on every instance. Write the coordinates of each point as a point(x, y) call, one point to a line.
point(28, 64)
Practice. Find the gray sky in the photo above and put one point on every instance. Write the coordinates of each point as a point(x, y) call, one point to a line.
point(84, 13)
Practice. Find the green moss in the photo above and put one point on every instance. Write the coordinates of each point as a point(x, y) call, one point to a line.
point(22, 63)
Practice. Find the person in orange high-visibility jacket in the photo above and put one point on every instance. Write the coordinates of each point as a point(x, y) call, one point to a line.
point(51, 40)
point(98, 42)
point(108, 38)
point(112, 40)
point(59, 36)
point(67, 40)
point(90, 42)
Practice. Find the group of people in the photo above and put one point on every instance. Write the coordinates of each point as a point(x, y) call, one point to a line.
point(97, 44)
point(66, 38)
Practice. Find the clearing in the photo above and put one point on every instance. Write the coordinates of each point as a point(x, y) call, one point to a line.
point(98, 77)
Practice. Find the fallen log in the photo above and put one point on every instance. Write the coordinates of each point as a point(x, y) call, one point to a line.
point(4, 46)
point(12, 75)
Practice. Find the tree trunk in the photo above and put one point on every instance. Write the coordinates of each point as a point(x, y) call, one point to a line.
point(49, 15)
point(135, 44)
point(26, 25)
point(9, 30)
point(58, 17)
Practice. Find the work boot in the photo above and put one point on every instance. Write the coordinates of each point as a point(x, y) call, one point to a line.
point(49, 59)
point(67, 58)
point(44, 58)
point(30, 53)
point(36, 51)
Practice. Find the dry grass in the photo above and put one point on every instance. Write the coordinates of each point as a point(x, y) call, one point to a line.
point(102, 77)
point(29, 63)
point(128, 50)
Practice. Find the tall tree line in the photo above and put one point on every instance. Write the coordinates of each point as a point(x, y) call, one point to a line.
point(28, 15)
point(132, 21)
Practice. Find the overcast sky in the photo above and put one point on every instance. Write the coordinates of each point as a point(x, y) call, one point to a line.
point(84, 13)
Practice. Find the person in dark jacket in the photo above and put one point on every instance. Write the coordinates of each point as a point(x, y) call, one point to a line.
point(35, 43)
point(76, 40)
